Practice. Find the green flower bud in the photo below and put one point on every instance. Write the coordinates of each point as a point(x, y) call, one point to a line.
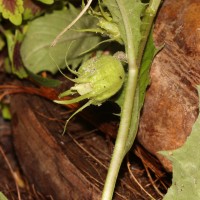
point(98, 79)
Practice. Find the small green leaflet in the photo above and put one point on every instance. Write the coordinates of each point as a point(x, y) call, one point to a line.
point(35, 49)
point(186, 165)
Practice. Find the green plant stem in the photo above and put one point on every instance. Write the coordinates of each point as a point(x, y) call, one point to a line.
point(121, 144)
point(147, 21)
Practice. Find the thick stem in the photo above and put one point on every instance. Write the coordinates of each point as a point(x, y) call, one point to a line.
point(121, 145)
point(147, 22)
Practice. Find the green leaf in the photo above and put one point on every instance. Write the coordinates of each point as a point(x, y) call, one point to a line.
point(144, 78)
point(42, 31)
point(143, 82)
point(14, 43)
point(186, 165)
point(32, 9)
point(12, 10)
point(47, 1)
point(2, 196)
point(2, 43)
point(47, 82)
point(5, 111)
point(133, 10)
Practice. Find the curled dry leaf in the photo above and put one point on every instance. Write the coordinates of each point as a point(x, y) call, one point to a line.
point(171, 104)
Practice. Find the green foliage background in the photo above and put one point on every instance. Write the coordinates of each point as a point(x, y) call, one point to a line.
point(36, 52)
point(33, 39)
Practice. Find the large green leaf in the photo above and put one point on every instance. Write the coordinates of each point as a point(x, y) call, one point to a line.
point(35, 48)
point(186, 165)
